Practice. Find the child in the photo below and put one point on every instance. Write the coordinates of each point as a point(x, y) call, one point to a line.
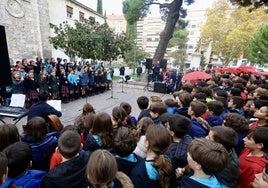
point(71, 172)
point(262, 116)
point(19, 157)
point(124, 145)
point(254, 157)
point(142, 126)
point(156, 110)
point(101, 134)
point(200, 127)
point(228, 138)
point(143, 103)
point(101, 171)
point(261, 179)
point(3, 167)
point(156, 170)
point(236, 104)
point(130, 119)
point(179, 127)
point(206, 158)
point(9, 134)
point(215, 115)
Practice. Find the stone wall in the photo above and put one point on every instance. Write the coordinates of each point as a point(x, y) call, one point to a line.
point(27, 28)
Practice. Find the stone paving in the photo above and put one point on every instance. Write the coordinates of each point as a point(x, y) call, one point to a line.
point(104, 102)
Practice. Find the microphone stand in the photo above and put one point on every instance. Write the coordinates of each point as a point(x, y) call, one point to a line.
point(122, 86)
point(112, 93)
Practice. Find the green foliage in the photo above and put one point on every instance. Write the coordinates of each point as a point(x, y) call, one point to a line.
point(257, 51)
point(230, 29)
point(89, 39)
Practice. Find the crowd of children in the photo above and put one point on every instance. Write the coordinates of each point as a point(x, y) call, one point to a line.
point(207, 134)
point(64, 80)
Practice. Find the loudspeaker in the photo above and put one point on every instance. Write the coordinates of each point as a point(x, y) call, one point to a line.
point(160, 87)
point(163, 63)
point(5, 72)
point(149, 63)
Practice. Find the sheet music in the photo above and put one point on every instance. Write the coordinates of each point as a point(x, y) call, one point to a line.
point(17, 100)
point(55, 103)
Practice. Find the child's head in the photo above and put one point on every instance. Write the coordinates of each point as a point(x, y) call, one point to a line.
point(36, 127)
point(124, 142)
point(103, 126)
point(119, 116)
point(157, 108)
point(215, 108)
point(157, 138)
point(179, 125)
point(185, 98)
point(88, 108)
point(142, 126)
point(19, 157)
point(261, 179)
point(101, 168)
point(127, 107)
point(257, 137)
point(207, 155)
point(236, 102)
point(262, 113)
point(236, 121)
point(197, 109)
point(69, 144)
point(3, 167)
point(143, 102)
point(8, 135)
point(223, 135)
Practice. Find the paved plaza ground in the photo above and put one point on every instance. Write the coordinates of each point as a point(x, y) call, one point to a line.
point(104, 102)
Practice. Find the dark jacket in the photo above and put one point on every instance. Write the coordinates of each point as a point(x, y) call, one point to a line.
point(68, 174)
point(140, 178)
point(177, 152)
point(30, 179)
point(42, 150)
point(125, 165)
point(182, 111)
point(42, 109)
point(231, 173)
point(91, 144)
point(197, 130)
point(144, 113)
point(214, 120)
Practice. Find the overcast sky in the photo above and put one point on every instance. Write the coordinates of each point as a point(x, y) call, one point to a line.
point(115, 6)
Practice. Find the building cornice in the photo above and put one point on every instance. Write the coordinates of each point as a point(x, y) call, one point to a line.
point(87, 8)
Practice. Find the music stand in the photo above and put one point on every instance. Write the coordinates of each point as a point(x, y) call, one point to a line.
point(122, 86)
point(112, 93)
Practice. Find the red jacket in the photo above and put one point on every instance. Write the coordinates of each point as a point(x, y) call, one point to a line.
point(249, 166)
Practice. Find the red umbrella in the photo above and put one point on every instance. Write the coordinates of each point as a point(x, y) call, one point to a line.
point(218, 69)
point(196, 75)
point(246, 69)
point(230, 70)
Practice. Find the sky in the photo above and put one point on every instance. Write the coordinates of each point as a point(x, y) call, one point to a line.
point(115, 6)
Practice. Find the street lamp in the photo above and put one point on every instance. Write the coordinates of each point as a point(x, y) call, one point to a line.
point(135, 50)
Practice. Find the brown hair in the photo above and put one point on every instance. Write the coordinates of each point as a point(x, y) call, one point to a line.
point(142, 126)
point(9, 134)
point(101, 168)
point(236, 121)
point(103, 126)
point(119, 115)
point(198, 108)
point(88, 108)
point(225, 136)
point(159, 140)
point(185, 99)
point(3, 166)
point(212, 156)
point(69, 144)
point(124, 142)
point(36, 127)
point(158, 107)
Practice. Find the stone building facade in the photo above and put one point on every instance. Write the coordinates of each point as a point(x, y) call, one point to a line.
point(27, 28)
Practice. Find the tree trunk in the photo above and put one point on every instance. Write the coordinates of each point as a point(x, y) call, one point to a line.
point(166, 34)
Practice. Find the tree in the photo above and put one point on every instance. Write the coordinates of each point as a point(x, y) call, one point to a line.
point(89, 39)
point(257, 51)
point(136, 9)
point(253, 4)
point(230, 29)
point(99, 7)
